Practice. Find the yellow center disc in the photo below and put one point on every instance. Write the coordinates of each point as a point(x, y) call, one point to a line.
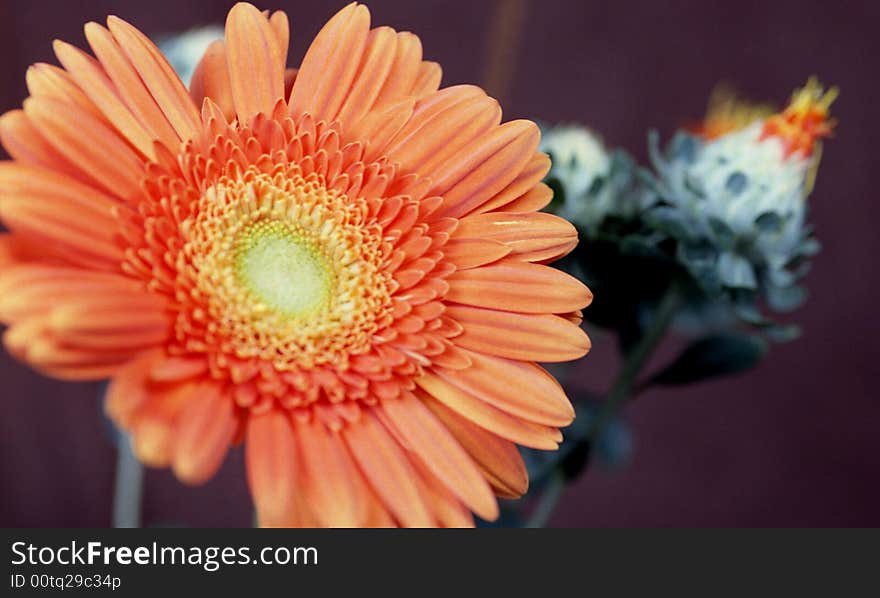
point(283, 268)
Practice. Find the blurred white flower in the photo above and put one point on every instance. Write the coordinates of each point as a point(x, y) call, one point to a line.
point(588, 180)
point(737, 202)
point(185, 50)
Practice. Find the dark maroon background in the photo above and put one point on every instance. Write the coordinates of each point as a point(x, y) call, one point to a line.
point(793, 443)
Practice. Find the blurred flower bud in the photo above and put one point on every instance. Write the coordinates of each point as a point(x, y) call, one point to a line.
point(736, 201)
point(185, 50)
point(588, 181)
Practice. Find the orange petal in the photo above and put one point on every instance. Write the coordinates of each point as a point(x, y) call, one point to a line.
point(497, 458)
point(328, 476)
point(39, 289)
point(85, 317)
point(377, 514)
point(486, 416)
point(441, 454)
point(271, 457)
point(473, 252)
point(387, 470)
point(39, 224)
point(446, 508)
point(28, 341)
point(404, 71)
point(430, 106)
point(129, 388)
point(329, 66)
point(211, 80)
point(428, 81)
point(28, 146)
point(87, 72)
point(378, 127)
point(153, 423)
point(43, 201)
point(129, 85)
point(15, 251)
point(175, 369)
point(281, 26)
point(99, 323)
point(527, 337)
point(164, 85)
point(378, 57)
point(518, 286)
point(521, 389)
point(441, 128)
point(532, 237)
point(255, 61)
point(486, 168)
point(205, 429)
point(530, 177)
point(532, 201)
point(50, 81)
point(85, 141)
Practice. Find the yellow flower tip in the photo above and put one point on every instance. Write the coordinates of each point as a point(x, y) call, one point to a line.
point(728, 113)
point(805, 120)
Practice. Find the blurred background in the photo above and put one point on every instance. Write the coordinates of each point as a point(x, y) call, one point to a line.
point(795, 442)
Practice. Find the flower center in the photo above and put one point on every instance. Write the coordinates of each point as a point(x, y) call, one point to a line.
point(284, 267)
point(280, 268)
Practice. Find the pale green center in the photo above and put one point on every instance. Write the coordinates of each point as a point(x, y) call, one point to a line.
point(283, 267)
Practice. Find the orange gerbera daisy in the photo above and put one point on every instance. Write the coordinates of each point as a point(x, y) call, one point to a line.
point(341, 266)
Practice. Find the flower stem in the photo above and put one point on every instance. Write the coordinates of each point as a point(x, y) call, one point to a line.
point(621, 390)
point(503, 41)
point(548, 501)
point(636, 359)
point(128, 487)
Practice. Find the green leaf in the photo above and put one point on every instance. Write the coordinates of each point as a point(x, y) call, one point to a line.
point(712, 356)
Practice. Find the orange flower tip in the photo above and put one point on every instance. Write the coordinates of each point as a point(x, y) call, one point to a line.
point(589, 296)
point(40, 351)
point(16, 340)
point(92, 29)
point(569, 414)
point(804, 121)
point(240, 9)
point(490, 512)
point(59, 46)
point(150, 443)
point(190, 471)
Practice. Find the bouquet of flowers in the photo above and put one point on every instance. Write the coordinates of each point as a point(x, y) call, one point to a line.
point(345, 266)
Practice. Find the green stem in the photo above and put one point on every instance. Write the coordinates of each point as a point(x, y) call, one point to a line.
point(636, 359)
point(548, 501)
point(128, 486)
point(621, 390)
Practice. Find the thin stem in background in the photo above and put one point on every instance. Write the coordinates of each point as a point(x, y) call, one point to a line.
point(502, 46)
point(620, 392)
point(128, 487)
point(548, 501)
point(636, 359)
